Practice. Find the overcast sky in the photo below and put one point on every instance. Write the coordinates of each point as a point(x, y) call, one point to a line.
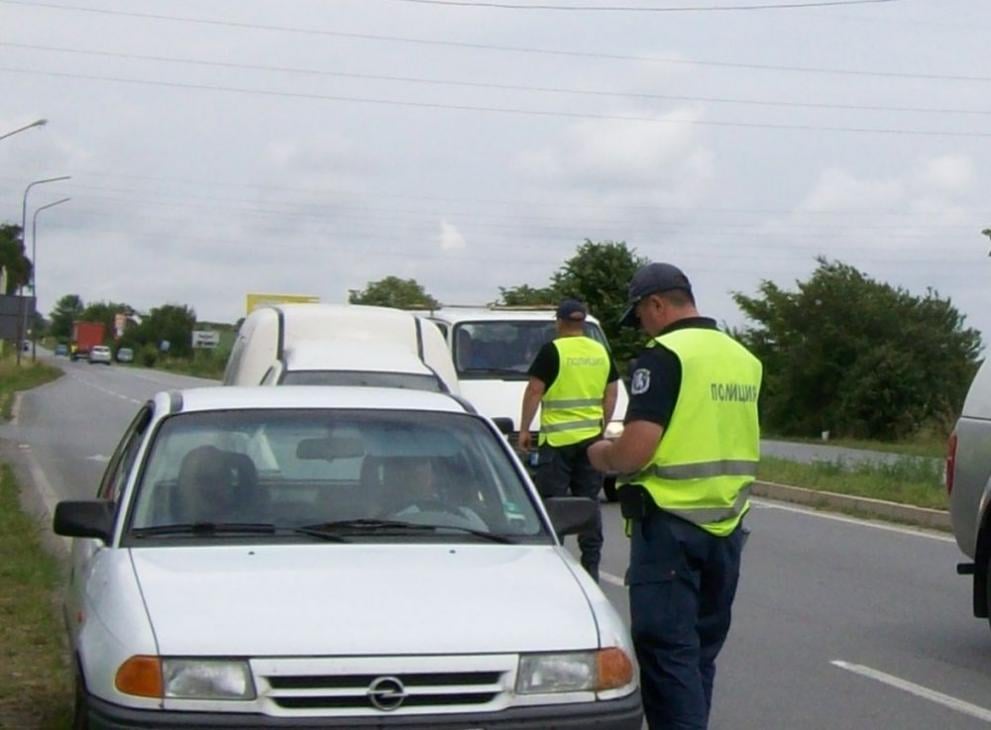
point(257, 168)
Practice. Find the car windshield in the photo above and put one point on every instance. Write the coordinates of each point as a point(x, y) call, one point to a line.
point(410, 381)
point(504, 348)
point(343, 474)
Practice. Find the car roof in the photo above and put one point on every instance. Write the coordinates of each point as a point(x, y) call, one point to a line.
point(230, 397)
point(345, 354)
point(455, 315)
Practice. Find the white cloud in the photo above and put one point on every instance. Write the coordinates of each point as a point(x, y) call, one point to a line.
point(949, 173)
point(450, 238)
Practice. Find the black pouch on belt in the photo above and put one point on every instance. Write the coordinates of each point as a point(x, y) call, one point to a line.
point(634, 502)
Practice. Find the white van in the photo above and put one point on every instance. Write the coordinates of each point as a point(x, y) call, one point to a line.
point(327, 344)
point(492, 349)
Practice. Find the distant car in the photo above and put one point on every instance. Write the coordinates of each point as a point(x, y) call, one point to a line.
point(61, 350)
point(26, 346)
point(344, 557)
point(125, 354)
point(99, 353)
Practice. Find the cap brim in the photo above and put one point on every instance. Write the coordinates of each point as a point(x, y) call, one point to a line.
point(630, 318)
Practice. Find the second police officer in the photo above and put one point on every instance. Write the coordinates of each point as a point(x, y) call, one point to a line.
point(575, 383)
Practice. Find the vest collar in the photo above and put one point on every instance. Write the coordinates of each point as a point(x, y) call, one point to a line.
point(705, 323)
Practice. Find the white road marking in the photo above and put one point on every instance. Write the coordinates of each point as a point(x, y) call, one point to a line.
point(916, 689)
point(613, 579)
point(100, 388)
point(851, 520)
point(97, 457)
point(44, 487)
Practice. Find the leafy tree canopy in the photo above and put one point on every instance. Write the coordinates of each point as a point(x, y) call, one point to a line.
point(12, 258)
point(858, 357)
point(525, 295)
point(393, 292)
point(66, 311)
point(597, 274)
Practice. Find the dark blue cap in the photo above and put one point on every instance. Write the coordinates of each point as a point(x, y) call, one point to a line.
point(571, 310)
point(652, 279)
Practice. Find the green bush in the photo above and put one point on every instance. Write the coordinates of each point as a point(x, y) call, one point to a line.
point(148, 355)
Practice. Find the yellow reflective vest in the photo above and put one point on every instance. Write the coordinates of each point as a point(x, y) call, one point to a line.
point(571, 409)
point(706, 461)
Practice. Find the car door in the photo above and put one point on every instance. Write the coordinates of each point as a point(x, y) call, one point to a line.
point(85, 551)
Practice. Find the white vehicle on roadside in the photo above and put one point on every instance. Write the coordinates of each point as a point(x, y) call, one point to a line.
point(100, 353)
point(326, 344)
point(337, 558)
point(968, 483)
point(493, 347)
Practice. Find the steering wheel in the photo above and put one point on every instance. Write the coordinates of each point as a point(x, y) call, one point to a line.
point(436, 505)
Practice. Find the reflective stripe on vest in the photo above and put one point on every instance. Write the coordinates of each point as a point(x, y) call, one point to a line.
point(707, 457)
point(571, 409)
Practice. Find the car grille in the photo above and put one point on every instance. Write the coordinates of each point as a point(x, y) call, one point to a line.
point(379, 685)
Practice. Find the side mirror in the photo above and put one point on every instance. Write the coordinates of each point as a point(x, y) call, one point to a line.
point(505, 425)
point(571, 515)
point(87, 518)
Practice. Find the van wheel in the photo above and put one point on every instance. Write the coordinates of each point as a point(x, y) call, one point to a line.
point(609, 489)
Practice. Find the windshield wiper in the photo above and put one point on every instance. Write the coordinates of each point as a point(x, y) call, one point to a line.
point(206, 528)
point(495, 371)
point(394, 526)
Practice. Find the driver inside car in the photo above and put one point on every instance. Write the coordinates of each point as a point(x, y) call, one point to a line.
point(418, 490)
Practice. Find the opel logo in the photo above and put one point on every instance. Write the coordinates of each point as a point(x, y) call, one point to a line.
point(386, 693)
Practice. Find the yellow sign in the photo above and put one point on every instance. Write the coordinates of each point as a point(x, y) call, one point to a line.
point(253, 301)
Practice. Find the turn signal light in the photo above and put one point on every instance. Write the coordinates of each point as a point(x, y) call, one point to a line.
point(615, 669)
point(140, 676)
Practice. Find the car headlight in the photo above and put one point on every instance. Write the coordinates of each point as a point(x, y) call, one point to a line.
point(614, 429)
point(207, 679)
point(579, 671)
point(186, 679)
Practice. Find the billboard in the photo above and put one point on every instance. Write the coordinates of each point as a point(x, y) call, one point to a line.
point(254, 300)
point(15, 312)
point(205, 339)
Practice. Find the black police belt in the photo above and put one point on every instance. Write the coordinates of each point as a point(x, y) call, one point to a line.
point(635, 502)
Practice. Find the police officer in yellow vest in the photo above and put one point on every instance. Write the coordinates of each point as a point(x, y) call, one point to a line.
point(689, 451)
point(574, 382)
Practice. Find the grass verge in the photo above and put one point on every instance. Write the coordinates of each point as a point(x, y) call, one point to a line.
point(908, 480)
point(35, 682)
point(14, 378)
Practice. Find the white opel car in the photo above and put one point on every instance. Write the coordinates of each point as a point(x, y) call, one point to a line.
point(100, 353)
point(348, 557)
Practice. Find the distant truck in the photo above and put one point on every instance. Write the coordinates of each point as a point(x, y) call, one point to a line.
point(86, 335)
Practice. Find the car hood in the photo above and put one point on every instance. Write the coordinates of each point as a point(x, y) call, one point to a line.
point(333, 599)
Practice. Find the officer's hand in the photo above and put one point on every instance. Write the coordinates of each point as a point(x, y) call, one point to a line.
point(523, 441)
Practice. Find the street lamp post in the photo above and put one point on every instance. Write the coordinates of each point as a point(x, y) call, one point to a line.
point(24, 223)
point(34, 269)
point(38, 123)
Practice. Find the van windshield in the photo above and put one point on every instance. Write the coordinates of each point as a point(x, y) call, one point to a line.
point(505, 348)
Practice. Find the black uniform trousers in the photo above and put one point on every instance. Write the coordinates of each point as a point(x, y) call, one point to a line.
point(682, 583)
point(564, 471)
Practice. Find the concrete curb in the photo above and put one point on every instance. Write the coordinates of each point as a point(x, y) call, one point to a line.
point(931, 518)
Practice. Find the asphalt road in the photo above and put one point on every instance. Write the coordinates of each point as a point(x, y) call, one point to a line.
point(839, 623)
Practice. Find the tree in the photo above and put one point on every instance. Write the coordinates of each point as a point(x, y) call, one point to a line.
point(170, 322)
point(105, 312)
point(599, 274)
point(394, 292)
point(67, 310)
point(12, 258)
point(525, 295)
point(857, 357)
